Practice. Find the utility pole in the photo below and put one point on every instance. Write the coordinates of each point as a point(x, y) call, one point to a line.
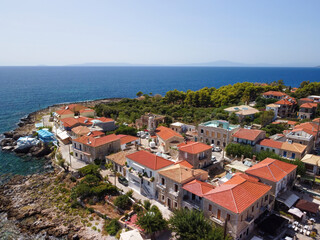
point(69, 155)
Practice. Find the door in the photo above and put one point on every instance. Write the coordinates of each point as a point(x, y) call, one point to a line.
point(169, 203)
point(218, 214)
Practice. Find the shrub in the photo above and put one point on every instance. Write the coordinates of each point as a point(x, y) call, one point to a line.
point(122, 202)
point(237, 149)
point(90, 169)
point(152, 179)
point(112, 227)
point(73, 179)
point(97, 161)
point(137, 208)
point(104, 189)
point(130, 193)
point(147, 204)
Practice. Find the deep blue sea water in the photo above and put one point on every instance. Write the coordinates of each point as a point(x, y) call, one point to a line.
point(26, 89)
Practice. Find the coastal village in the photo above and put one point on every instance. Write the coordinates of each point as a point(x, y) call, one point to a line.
point(251, 181)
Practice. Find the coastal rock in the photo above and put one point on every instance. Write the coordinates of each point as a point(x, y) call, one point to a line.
point(41, 152)
point(7, 142)
point(16, 136)
point(8, 134)
point(22, 150)
point(8, 148)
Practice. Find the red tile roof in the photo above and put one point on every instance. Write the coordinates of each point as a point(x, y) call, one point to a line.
point(198, 188)
point(270, 143)
point(309, 105)
point(271, 169)
point(64, 112)
point(308, 127)
point(96, 134)
point(193, 147)
point(86, 110)
point(184, 163)
point(149, 160)
point(166, 133)
point(275, 93)
point(248, 134)
point(238, 194)
point(127, 139)
point(285, 102)
point(96, 142)
point(104, 119)
point(71, 121)
point(306, 99)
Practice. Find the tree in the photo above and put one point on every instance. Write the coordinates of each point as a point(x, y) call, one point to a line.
point(233, 118)
point(139, 94)
point(123, 202)
point(151, 221)
point(189, 225)
point(266, 117)
point(126, 130)
point(237, 149)
point(90, 169)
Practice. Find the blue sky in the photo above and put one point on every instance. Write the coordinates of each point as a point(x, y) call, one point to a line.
point(166, 32)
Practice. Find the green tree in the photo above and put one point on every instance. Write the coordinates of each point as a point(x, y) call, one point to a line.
point(139, 94)
point(151, 221)
point(236, 149)
point(190, 225)
point(112, 226)
point(123, 202)
point(126, 130)
point(90, 169)
point(266, 117)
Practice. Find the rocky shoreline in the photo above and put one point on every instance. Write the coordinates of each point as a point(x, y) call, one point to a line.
point(26, 127)
point(36, 203)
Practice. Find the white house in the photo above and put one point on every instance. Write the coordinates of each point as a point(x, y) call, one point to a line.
point(143, 171)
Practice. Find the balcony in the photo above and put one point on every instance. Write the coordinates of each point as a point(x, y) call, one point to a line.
point(191, 205)
point(216, 220)
point(173, 193)
point(249, 219)
point(202, 157)
point(162, 187)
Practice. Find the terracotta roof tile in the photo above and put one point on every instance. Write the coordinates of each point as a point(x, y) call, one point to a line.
point(248, 134)
point(124, 139)
point(198, 188)
point(104, 119)
point(293, 147)
point(193, 147)
point(285, 102)
point(270, 143)
point(181, 174)
point(149, 160)
point(81, 130)
point(275, 93)
point(96, 142)
point(167, 133)
point(271, 169)
point(184, 163)
point(72, 121)
point(238, 194)
point(308, 127)
point(309, 105)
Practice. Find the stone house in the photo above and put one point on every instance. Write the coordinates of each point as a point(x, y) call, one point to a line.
point(269, 145)
point(292, 150)
point(274, 94)
point(287, 107)
point(217, 132)
point(275, 173)
point(87, 148)
point(237, 203)
point(248, 136)
point(167, 138)
point(196, 153)
point(171, 180)
point(307, 110)
point(312, 164)
point(73, 110)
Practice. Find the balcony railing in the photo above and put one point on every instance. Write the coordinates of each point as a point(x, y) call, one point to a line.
point(159, 185)
point(174, 193)
point(202, 157)
point(190, 204)
point(216, 220)
point(249, 219)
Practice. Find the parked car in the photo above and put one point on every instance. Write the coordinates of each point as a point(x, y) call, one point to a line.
point(217, 149)
point(123, 181)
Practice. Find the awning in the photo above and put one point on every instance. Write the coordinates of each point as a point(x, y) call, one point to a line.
point(288, 198)
point(62, 134)
point(296, 212)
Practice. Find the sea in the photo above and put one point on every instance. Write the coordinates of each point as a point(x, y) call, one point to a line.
point(27, 89)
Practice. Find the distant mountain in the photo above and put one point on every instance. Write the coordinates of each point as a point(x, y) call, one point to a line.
point(100, 64)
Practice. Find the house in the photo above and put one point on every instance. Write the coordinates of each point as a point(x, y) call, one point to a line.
point(217, 132)
point(143, 171)
point(311, 163)
point(248, 136)
point(167, 138)
point(298, 135)
point(106, 124)
point(274, 108)
point(182, 128)
point(193, 193)
point(88, 148)
point(71, 122)
point(289, 122)
point(45, 136)
point(171, 180)
point(73, 110)
point(307, 110)
point(237, 203)
point(287, 107)
point(242, 111)
point(79, 131)
point(269, 145)
point(304, 100)
point(131, 235)
point(145, 120)
point(195, 153)
point(315, 98)
point(118, 161)
point(312, 128)
point(274, 94)
point(292, 150)
point(275, 173)
point(127, 141)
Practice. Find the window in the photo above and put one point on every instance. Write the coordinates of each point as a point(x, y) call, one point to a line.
point(193, 196)
point(201, 130)
point(75, 145)
point(210, 207)
point(293, 155)
point(266, 198)
point(228, 217)
point(176, 187)
point(224, 136)
point(262, 148)
point(241, 218)
point(218, 143)
point(212, 141)
point(163, 182)
point(252, 209)
point(218, 135)
point(150, 174)
point(218, 213)
point(76, 154)
point(285, 154)
point(212, 134)
point(185, 155)
point(175, 204)
point(162, 197)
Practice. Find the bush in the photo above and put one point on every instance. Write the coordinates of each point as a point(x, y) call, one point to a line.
point(237, 149)
point(97, 162)
point(91, 180)
point(90, 169)
point(122, 202)
point(73, 179)
point(104, 189)
point(147, 204)
point(112, 227)
point(129, 193)
point(137, 208)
